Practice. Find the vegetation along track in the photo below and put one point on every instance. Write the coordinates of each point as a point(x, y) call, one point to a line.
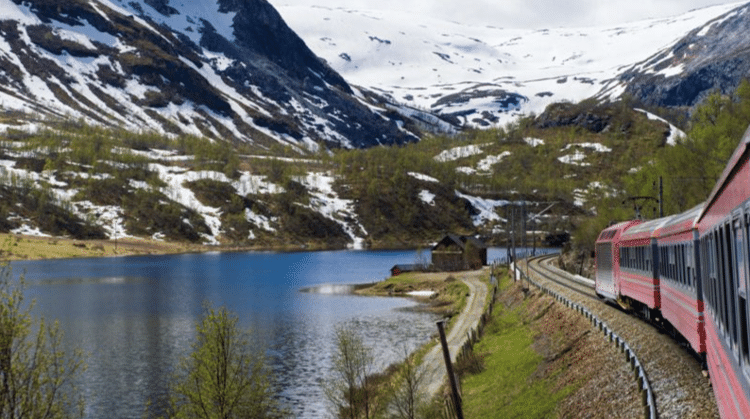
point(680, 388)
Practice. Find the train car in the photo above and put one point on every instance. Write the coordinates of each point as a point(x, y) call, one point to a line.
point(679, 277)
point(723, 232)
point(608, 260)
point(639, 262)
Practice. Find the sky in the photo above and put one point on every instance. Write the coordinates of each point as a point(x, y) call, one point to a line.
point(532, 14)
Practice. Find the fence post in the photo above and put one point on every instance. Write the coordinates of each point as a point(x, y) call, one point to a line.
point(449, 368)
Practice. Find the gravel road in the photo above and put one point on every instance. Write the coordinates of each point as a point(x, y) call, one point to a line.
point(433, 364)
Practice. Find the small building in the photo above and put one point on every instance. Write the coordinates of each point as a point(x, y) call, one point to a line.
point(399, 269)
point(457, 253)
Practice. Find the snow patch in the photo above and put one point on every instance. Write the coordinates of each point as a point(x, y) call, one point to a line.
point(674, 133)
point(534, 142)
point(427, 197)
point(458, 153)
point(421, 293)
point(600, 148)
point(575, 159)
point(486, 208)
point(485, 165)
point(420, 176)
point(25, 230)
point(325, 201)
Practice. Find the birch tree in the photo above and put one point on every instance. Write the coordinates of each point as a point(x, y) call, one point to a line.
point(37, 377)
point(224, 376)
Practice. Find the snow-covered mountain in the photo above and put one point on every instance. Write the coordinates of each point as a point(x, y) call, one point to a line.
point(215, 68)
point(235, 70)
point(713, 56)
point(480, 76)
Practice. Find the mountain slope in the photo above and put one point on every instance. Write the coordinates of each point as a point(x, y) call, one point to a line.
point(713, 56)
point(479, 76)
point(216, 68)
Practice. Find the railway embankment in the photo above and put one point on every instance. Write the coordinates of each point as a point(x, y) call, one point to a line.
point(541, 359)
point(680, 390)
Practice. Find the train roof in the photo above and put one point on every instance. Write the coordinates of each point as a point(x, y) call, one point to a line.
point(728, 173)
point(687, 220)
point(645, 229)
point(609, 233)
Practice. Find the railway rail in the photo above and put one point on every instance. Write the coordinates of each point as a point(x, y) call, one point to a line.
point(680, 390)
point(540, 266)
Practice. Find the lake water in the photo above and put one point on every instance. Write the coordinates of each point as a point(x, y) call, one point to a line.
point(135, 316)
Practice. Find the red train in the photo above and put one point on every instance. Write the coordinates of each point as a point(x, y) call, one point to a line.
point(691, 270)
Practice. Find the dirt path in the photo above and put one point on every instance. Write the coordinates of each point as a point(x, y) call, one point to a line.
point(433, 363)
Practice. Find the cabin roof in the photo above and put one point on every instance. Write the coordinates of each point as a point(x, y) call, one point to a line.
point(461, 241)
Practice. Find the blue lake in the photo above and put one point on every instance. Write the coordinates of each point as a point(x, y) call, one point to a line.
point(135, 316)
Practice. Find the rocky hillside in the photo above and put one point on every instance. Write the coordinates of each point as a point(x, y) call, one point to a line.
point(82, 181)
point(714, 56)
point(221, 69)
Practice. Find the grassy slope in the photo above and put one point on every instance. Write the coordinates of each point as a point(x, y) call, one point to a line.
point(508, 387)
point(542, 360)
point(14, 247)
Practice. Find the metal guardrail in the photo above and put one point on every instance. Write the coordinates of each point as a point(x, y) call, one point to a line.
point(640, 374)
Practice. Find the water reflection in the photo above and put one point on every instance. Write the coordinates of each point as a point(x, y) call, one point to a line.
point(136, 316)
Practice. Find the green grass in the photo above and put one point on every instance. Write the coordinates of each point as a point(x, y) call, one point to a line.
point(508, 388)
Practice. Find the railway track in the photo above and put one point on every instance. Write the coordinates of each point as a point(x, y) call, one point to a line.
point(680, 389)
point(540, 266)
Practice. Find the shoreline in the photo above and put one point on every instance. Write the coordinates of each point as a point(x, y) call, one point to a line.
point(19, 247)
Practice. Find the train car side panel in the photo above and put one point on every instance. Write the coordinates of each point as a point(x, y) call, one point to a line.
point(730, 393)
point(679, 278)
point(724, 237)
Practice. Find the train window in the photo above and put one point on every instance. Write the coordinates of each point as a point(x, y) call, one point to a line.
point(744, 348)
point(661, 265)
point(739, 274)
point(739, 259)
point(690, 265)
point(708, 284)
point(640, 258)
point(706, 251)
point(730, 285)
point(681, 263)
point(721, 280)
point(714, 274)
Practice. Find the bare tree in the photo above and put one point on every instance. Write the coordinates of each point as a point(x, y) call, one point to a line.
point(348, 389)
point(408, 396)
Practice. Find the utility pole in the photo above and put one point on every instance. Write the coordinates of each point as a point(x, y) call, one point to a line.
point(523, 225)
point(661, 197)
point(513, 231)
